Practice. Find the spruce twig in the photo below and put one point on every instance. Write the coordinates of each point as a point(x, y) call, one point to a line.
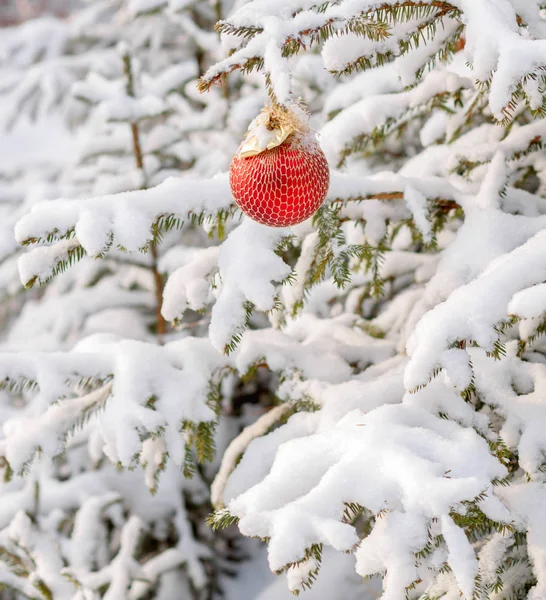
point(161, 324)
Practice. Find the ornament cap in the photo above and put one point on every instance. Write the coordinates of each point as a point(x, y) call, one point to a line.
point(270, 129)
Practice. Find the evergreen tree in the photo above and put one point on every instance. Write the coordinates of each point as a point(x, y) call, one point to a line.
point(399, 331)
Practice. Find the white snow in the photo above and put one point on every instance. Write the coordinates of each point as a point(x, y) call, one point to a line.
point(423, 405)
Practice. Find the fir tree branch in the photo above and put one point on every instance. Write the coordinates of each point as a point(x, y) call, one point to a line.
point(239, 445)
point(161, 324)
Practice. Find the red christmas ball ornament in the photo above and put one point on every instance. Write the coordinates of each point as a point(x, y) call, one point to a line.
point(280, 175)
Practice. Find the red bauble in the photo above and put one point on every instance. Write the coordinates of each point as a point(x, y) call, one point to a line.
point(282, 186)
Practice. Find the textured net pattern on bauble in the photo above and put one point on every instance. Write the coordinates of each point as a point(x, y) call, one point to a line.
point(282, 186)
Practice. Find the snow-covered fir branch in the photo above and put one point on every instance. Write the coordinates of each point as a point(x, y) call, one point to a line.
point(395, 338)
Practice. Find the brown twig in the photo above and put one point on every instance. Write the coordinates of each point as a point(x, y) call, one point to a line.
point(442, 203)
point(161, 324)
